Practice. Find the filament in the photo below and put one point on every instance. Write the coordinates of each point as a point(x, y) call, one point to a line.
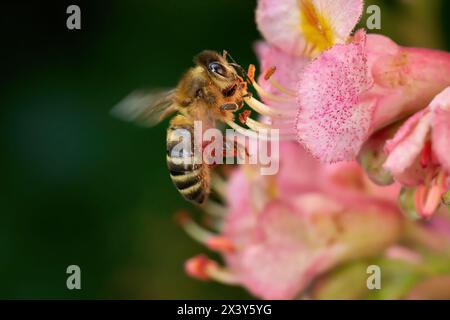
point(205, 237)
point(432, 200)
point(282, 88)
point(219, 185)
point(196, 232)
point(258, 126)
point(266, 94)
point(250, 133)
point(265, 110)
point(260, 131)
point(222, 275)
point(215, 209)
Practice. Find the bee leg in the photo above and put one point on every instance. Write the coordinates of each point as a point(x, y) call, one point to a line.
point(247, 95)
point(232, 106)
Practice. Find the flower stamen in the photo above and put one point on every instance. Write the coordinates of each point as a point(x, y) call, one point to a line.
point(209, 239)
point(265, 94)
point(261, 127)
point(269, 73)
point(219, 186)
point(266, 110)
point(215, 209)
point(258, 132)
point(428, 196)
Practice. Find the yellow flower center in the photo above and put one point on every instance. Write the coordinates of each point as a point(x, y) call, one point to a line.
point(315, 27)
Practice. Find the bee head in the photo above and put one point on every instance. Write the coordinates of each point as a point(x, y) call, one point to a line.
point(218, 68)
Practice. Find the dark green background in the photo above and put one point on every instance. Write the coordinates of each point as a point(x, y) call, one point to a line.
point(80, 187)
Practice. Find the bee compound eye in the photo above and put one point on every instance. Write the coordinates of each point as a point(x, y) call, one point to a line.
point(217, 68)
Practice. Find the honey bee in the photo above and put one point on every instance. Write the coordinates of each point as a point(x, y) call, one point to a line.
point(209, 92)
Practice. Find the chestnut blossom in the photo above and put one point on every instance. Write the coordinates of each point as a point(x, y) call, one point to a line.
point(418, 155)
point(340, 96)
point(279, 233)
point(295, 31)
point(307, 27)
point(351, 91)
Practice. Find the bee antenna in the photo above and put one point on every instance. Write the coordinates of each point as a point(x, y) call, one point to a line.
point(225, 54)
point(236, 65)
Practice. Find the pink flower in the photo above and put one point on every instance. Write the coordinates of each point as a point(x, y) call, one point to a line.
point(353, 90)
point(307, 27)
point(419, 156)
point(281, 232)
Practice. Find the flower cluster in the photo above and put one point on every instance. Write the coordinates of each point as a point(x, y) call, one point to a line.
point(366, 130)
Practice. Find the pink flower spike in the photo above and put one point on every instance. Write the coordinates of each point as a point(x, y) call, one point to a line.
point(332, 122)
point(440, 108)
point(300, 27)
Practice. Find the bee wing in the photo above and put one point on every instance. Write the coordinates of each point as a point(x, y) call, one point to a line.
point(146, 108)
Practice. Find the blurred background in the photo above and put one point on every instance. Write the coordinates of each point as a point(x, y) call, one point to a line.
point(80, 187)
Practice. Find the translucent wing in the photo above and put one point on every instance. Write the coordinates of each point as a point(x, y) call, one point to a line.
point(146, 108)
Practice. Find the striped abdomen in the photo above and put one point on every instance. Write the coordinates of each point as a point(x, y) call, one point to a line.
point(190, 177)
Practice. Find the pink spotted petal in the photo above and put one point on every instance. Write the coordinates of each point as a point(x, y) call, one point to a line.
point(332, 122)
point(440, 108)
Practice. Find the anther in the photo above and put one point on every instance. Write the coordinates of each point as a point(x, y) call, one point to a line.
point(269, 73)
point(244, 116)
